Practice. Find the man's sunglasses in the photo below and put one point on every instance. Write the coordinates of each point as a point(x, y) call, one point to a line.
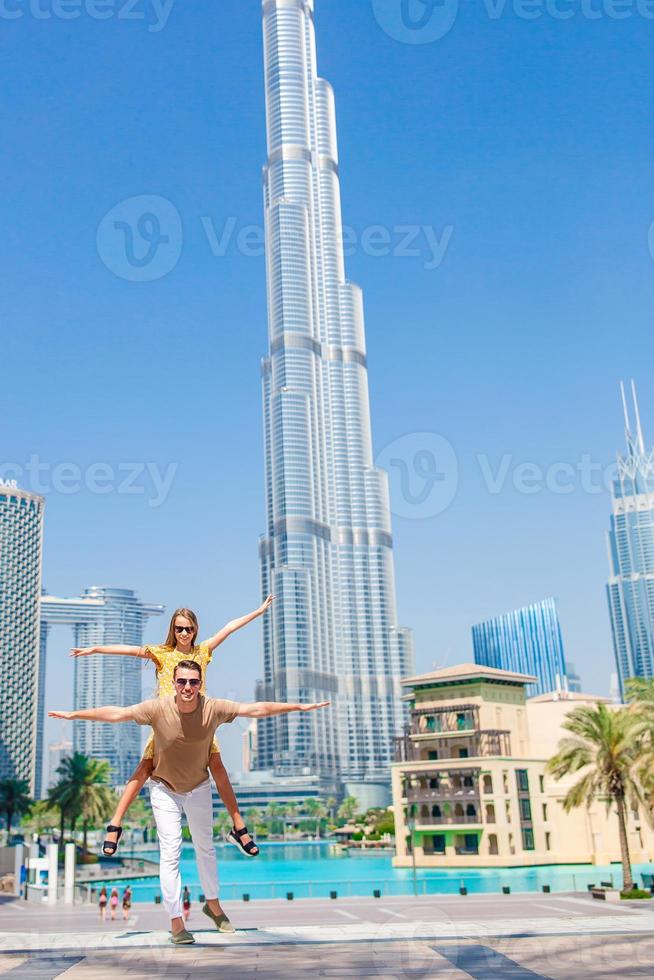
point(183, 629)
point(183, 681)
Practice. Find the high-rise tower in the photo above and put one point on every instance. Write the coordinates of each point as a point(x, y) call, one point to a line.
point(21, 654)
point(101, 617)
point(526, 641)
point(327, 551)
point(630, 588)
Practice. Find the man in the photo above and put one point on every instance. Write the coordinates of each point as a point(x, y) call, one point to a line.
point(184, 725)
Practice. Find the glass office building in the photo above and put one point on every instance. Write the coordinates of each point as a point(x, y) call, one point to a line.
point(23, 666)
point(99, 617)
point(327, 553)
point(630, 589)
point(526, 641)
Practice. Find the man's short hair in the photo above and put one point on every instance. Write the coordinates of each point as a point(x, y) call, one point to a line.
point(187, 665)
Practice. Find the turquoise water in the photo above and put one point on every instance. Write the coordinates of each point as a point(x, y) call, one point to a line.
point(313, 870)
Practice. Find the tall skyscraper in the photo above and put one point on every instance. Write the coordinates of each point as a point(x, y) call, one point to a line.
point(574, 680)
point(630, 588)
point(526, 641)
point(57, 752)
point(327, 551)
point(99, 617)
point(23, 666)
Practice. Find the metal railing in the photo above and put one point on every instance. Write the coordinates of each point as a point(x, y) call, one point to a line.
point(419, 794)
point(445, 821)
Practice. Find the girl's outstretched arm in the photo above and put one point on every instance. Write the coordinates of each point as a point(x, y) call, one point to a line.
point(117, 649)
point(236, 624)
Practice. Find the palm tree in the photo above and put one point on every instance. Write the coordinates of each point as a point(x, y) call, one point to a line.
point(348, 809)
point(222, 823)
point(253, 818)
point(289, 812)
point(640, 695)
point(331, 807)
point(605, 748)
point(40, 817)
point(274, 815)
point(14, 799)
point(317, 811)
point(83, 792)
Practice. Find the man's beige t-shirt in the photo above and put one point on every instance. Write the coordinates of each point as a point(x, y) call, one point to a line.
point(182, 740)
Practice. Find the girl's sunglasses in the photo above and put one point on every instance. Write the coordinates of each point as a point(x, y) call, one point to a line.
point(183, 629)
point(183, 681)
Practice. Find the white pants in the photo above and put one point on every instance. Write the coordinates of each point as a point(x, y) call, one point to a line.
point(168, 808)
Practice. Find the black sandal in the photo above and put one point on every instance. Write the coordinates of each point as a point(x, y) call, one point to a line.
point(109, 846)
point(234, 837)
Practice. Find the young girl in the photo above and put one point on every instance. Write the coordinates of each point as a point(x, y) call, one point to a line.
point(102, 902)
point(179, 645)
point(186, 903)
point(113, 902)
point(127, 902)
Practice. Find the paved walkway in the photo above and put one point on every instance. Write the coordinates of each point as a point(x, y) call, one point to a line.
point(518, 936)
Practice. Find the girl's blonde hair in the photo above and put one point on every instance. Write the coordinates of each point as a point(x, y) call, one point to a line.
point(171, 639)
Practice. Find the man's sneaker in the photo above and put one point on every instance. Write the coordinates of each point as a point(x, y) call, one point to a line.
point(182, 938)
point(221, 921)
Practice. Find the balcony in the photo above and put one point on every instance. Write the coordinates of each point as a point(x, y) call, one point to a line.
point(425, 747)
point(429, 823)
point(419, 794)
point(445, 720)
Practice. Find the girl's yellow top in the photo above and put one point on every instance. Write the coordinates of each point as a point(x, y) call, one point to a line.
point(165, 661)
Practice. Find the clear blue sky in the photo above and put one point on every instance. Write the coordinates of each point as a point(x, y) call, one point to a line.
point(530, 139)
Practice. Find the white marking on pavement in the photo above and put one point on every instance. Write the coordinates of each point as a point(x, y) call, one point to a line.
point(398, 915)
point(348, 915)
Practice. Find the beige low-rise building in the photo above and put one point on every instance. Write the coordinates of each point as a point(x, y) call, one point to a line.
point(470, 786)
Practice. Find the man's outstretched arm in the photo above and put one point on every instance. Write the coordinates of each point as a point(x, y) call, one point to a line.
point(264, 709)
point(109, 713)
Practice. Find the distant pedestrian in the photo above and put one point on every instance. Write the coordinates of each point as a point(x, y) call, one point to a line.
point(102, 902)
point(127, 902)
point(113, 902)
point(186, 903)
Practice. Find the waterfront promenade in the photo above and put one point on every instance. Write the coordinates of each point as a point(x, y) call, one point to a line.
point(558, 936)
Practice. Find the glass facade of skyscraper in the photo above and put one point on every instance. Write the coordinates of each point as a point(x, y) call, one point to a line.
point(23, 666)
point(327, 550)
point(100, 617)
point(527, 641)
point(630, 588)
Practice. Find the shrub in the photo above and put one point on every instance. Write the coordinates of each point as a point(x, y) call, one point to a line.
point(635, 893)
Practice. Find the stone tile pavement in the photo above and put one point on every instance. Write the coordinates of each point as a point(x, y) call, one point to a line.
point(563, 937)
